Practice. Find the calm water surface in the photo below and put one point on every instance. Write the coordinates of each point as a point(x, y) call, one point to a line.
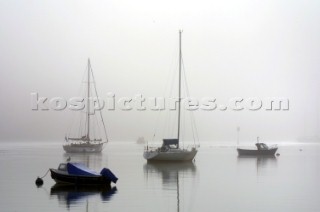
point(217, 181)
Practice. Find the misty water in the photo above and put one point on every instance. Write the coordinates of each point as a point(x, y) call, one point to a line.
point(218, 180)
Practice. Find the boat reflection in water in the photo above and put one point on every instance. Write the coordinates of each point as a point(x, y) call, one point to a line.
point(172, 174)
point(71, 195)
point(264, 165)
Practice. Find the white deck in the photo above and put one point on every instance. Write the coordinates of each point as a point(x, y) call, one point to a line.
point(83, 147)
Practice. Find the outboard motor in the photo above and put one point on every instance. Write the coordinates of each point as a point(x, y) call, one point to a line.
point(109, 175)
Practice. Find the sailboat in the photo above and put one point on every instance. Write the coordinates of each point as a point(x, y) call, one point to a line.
point(86, 140)
point(170, 149)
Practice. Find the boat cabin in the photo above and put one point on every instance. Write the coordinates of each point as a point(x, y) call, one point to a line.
point(62, 167)
point(262, 146)
point(171, 143)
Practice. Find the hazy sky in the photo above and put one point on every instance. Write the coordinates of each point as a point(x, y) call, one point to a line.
point(230, 49)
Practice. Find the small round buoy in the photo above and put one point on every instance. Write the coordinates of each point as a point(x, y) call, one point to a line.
point(39, 181)
point(278, 154)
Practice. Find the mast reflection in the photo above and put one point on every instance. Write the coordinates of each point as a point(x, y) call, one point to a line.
point(171, 174)
point(261, 162)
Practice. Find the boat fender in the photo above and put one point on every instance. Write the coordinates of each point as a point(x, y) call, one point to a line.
point(109, 175)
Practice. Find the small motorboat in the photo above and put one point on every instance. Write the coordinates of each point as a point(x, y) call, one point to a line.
point(79, 174)
point(262, 149)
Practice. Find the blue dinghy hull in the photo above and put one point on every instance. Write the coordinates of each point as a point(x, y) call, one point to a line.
point(78, 174)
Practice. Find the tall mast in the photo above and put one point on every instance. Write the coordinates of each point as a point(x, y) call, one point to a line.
point(88, 102)
point(179, 100)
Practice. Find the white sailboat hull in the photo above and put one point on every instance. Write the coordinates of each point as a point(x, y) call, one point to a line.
point(170, 155)
point(83, 148)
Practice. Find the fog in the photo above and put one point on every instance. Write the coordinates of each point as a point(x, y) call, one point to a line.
point(247, 49)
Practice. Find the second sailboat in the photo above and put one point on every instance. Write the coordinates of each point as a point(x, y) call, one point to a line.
point(170, 149)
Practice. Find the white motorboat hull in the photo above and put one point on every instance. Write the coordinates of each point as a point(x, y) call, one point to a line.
point(170, 155)
point(83, 148)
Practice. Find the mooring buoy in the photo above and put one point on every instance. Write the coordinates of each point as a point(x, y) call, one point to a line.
point(39, 181)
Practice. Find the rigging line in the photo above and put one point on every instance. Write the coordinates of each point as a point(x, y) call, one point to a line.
point(93, 128)
point(98, 128)
point(192, 128)
point(156, 126)
point(188, 94)
point(196, 128)
point(84, 94)
point(74, 114)
point(87, 124)
point(95, 88)
point(80, 126)
point(167, 119)
point(81, 117)
point(175, 115)
point(70, 125)
point(173, 79)
point(193, 121)
point(171, 76)
point(171, 128)
point(183, 117)
point(168, 115)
